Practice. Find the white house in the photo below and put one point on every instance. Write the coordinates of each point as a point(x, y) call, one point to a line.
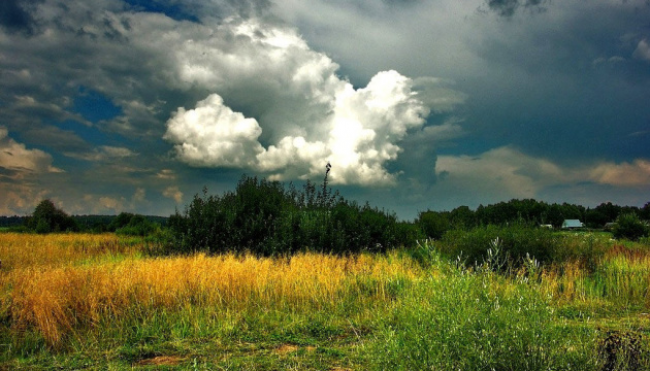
point(572, 224)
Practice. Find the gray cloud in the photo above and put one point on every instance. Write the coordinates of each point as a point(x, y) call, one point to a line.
point(65, 141)
point(507, 8)
point(16, 16)
point(565, 85)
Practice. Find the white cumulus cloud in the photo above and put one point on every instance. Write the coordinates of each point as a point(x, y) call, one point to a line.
point(213, 135)
point(296, 113)
point(359, 135)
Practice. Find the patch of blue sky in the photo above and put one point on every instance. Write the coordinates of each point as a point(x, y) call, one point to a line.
point(171, 10)
point(94, 106)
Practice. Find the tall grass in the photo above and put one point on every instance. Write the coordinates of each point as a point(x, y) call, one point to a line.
point(57, 301)
point(621, 275)
point(19, 250)
point(409, 309)
point(480, 321)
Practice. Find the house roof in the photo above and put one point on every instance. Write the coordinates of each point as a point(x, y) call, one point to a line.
point(572, 223)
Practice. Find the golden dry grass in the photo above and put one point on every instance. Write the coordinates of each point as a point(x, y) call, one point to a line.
point(18, 250)
point(43, 286)
point(56, 300)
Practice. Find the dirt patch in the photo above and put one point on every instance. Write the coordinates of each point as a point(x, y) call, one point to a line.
point(286, 348)
point(161, 361)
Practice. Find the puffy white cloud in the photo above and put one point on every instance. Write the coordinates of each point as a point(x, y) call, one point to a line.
point(359, 135)
point(213, 135)
point(16, 159)
point(301, 114)
point(167, 174)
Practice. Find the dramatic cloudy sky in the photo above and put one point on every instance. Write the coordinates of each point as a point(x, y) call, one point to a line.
point(135, 105)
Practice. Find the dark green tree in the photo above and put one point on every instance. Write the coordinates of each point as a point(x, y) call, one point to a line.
point(434, 224)
point(137, 225)
point(48, 218)
point(629, 226)
point(463, 217)
point(120, 221)
point(644, 213)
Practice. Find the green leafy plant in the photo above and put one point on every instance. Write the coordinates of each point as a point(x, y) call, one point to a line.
point(265, 218)
point(516, 242)
point(629, 226)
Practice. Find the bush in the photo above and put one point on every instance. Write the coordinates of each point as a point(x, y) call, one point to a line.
point(120, 221)
point(516, 243)
point(629, 226)
point(264, 218)
point(138, 225)
point(434, 224)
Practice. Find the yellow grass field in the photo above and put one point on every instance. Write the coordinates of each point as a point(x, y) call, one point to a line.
point(49, 284)
point(103, 297)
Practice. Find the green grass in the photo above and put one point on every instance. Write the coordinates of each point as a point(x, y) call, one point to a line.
point(447, 317)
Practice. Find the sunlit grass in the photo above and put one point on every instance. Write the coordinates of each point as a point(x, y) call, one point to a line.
point(80, 294)
point(56, 301)
point(20, 250)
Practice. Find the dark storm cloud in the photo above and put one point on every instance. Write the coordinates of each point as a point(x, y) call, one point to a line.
point(174, 11)
point(542, 95)
point(15, 15)
point(579, 62)
point(507, 8)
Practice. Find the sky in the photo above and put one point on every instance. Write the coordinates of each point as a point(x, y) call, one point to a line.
point(136, 105)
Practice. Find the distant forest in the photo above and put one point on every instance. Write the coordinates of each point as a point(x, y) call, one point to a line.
point(527, 210)
point(86, 223)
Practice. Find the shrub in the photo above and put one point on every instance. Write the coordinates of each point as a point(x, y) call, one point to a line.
point(138, 226)
point(120, 221)
point(629, 226)
point(516, 243)
point(434, 224)
point(264, 218)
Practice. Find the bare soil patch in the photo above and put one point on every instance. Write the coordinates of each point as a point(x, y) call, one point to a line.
point(161, 361)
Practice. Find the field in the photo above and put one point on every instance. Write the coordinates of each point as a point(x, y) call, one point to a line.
point(102, 302)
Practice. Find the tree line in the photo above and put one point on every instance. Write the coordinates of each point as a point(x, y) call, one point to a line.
point(268, 218)
point(436, 223)
point(47, 218)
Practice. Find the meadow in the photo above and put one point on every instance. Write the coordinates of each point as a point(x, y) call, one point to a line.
point(107, 302)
